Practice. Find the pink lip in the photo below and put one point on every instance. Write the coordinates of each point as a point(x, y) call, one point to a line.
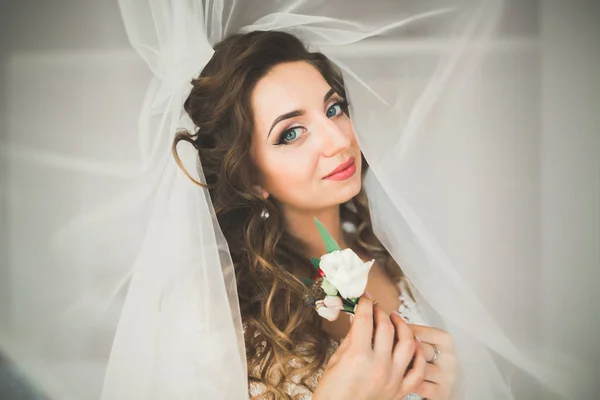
point(344, 171)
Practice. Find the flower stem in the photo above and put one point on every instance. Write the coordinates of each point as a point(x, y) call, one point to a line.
point(348, 308)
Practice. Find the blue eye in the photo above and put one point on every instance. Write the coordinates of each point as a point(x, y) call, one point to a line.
point(337, 109)
point(289, 135)
point(334, 110)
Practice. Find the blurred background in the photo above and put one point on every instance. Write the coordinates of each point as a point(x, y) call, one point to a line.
point(71, 59)
point(67, 72)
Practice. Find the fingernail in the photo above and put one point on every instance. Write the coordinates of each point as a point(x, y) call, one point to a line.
point(368, 295)
point(351, 318)
point(418, 340)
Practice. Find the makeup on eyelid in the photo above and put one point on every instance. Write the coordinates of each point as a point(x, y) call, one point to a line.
point(342, 103)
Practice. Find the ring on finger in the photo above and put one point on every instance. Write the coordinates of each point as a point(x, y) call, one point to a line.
point(436, 354)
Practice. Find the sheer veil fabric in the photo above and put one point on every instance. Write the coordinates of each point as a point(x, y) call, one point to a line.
point(135, 289)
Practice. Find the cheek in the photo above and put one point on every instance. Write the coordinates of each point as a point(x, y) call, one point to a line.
point(290, 175)
point(349, 129)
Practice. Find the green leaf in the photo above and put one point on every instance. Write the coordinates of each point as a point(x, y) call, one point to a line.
point(328, 288)
point(330, 244)
point(307, 281)
point(348, 308)
point(348, 301)
point(315, 262)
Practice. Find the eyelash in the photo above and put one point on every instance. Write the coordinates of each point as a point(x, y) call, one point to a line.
point(343, 105)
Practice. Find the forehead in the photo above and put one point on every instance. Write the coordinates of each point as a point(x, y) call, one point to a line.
point(287, 87)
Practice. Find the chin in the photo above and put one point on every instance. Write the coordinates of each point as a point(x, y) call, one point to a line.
point(349, 191)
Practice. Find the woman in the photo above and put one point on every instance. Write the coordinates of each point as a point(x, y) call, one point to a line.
point(127, 289)
point(277, 148)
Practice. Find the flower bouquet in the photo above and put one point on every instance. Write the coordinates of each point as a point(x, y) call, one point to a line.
point(340, 278)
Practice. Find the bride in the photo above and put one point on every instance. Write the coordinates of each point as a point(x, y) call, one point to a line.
point(169, 261)
point(278, 148)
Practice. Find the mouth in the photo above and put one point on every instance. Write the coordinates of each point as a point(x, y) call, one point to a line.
point(344, 171)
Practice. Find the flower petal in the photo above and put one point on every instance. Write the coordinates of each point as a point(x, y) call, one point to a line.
point(333, 302)
point(330, 314)
point(346, 272)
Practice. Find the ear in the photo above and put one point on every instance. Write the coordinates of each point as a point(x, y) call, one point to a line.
point(261, 192)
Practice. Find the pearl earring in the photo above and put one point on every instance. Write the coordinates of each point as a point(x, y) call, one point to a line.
point(264, 214)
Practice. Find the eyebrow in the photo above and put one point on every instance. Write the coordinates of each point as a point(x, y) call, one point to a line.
point(297, 113)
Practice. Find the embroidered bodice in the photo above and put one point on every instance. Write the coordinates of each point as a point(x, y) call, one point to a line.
point(409, 311)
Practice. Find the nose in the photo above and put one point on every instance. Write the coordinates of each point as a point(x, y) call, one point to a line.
point(333, 138)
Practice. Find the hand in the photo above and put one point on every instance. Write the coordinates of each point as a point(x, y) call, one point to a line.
point(372, 360)
point(441, 375)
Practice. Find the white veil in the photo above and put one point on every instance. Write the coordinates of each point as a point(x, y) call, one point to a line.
point(120, 281)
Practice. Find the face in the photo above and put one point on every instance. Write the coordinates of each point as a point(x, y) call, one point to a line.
point(303, 143)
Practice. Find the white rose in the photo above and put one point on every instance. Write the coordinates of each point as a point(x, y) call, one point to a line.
point(346, 271)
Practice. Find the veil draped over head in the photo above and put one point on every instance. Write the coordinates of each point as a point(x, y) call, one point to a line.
point(120, 280)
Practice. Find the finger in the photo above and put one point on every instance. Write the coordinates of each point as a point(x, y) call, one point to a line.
point(446, 359)
point(416, 376)
point(384, 333)
point(405, 348)
point(338, 354)
point(428, 351)
point(361, 330)
point(429, 390)
point(428, 334)
point(344, 344)
point(433, 373)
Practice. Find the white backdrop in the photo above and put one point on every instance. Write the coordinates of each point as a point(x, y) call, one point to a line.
point(72, 58)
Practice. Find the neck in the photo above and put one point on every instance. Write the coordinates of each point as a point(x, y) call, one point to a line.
point(301, 224)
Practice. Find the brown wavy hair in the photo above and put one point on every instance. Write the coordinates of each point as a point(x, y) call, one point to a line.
point(279, 327)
